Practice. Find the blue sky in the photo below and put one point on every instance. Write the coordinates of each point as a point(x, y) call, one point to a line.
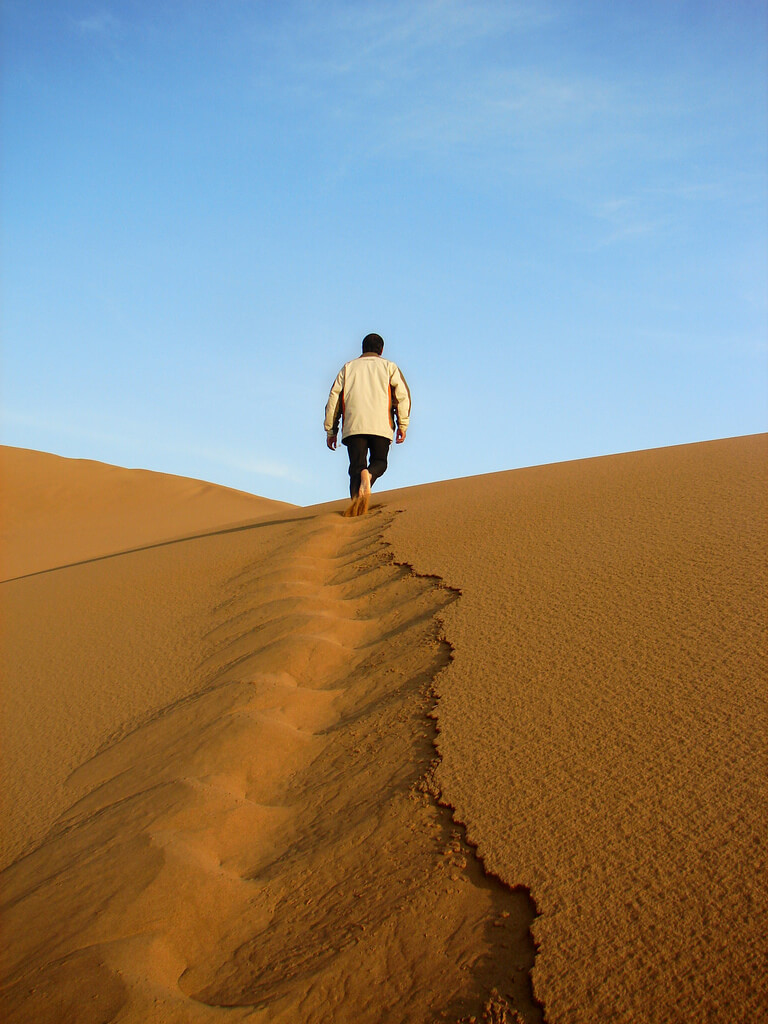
point(555, 213)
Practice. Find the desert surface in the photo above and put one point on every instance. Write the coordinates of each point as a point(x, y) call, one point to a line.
point(495, 751)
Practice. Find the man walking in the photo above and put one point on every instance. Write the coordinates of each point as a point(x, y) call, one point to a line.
point(370, 396)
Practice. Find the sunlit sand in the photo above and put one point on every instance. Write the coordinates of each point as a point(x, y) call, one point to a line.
point(493, 750)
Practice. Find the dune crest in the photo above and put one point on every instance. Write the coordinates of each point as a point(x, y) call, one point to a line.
point(56, 511)
point(265, 846)
point(221, 792)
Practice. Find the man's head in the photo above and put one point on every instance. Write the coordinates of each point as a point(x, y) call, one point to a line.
point(373, 343)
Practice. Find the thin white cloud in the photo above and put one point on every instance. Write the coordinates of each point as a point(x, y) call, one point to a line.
point(520, 106)
point(466, 81)
point(399, 80)
point(101, 23)
point(635, 230)
point(382, 36)
point(364, 50)
point(651, 209)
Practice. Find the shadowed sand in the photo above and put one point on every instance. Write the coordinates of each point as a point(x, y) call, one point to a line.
point(219, 749)
point(55, 511)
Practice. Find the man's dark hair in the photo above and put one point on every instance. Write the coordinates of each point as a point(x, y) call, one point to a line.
point(373, 343)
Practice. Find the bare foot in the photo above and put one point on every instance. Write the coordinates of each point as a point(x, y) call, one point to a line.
point(365, 493)
point(352, 510)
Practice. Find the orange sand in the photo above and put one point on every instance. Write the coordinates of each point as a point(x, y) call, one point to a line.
point(217, 747)
point(55, 511)
point(603, 726)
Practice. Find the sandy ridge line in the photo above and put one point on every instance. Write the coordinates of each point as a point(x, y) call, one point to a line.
point(56, 511)
point(268, 848)
point(498, 1009)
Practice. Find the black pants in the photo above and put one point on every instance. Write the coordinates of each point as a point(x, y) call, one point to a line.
point(358, 446)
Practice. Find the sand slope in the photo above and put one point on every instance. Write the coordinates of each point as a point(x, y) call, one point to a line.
point(55, 511)
point(603, 726)
point(219, 756)
point(220, 753)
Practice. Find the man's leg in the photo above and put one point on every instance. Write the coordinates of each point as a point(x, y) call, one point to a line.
point(357, 447)
point(379, 451)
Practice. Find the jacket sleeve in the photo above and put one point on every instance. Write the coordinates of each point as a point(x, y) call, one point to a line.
point(335, 405)
point(401, 397)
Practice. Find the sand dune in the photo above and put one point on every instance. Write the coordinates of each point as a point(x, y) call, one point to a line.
point(219, 752)
point(56, 511)
point(603, 728)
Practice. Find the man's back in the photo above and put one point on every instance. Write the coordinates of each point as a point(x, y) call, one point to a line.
point(370, 394)
point(367, 391)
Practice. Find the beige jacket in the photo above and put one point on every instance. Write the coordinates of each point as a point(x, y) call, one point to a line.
point(371, 395)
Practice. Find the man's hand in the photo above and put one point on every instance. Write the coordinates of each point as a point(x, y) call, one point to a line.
point(330, 440)
point(400, 436)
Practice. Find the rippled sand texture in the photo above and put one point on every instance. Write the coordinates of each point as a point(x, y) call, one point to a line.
point(603, 724)
point(73, 634)
point(220, 785)
point(233, 739)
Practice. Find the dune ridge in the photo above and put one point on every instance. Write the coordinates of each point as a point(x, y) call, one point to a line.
point(223, 797)
point(55, 511)
point(266, 844)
